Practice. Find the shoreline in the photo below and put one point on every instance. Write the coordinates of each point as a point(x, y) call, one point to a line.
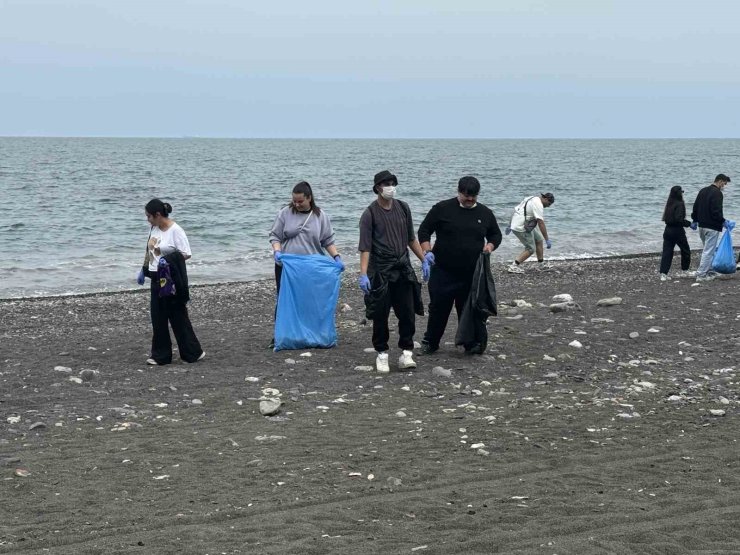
point(350, 270)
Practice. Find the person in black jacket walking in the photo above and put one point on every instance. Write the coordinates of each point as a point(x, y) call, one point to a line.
point(675, 220)
point(463, 228)
point(708, 216)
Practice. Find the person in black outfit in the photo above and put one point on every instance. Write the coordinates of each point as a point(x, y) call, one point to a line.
point(708, 216)
point(675, 220)
point(463, 227)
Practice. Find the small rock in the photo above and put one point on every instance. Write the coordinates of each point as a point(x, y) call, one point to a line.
point(521, 303)
point(346, 308)
point(611, 301)
point(575, 344)
point(88, 375)
point(13, 419)
point(37, 425)
point(393, 481)
point(564, 307)
point(441, 372)
point(602, 321)
point(270, 407)
point(75, 379)
point(364, 368)
point(306, 355)
point(654, 330)
point(417, 345)
point(197, 402)
point(634, 335)
point(289, 361)
point(401, 414)
point(63, 369)
point(674, 398)
point(517, 317)
point(717, 412)
point(22, 472)
point(724, 401)
point(562, 298)
point(477, 445)
point(369, 349)
point(549, 358)
point(251, 379)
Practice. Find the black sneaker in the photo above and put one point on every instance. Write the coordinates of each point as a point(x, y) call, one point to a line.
point(476, 349)
point(271, 346)
point(427, 348)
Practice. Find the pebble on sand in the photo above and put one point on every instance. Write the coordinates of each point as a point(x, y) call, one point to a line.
point(634, 335)
point(270, 407)
point(441, 372)
point(717, 412)
point(611, 301)
point(575, 344)
point(562, 298)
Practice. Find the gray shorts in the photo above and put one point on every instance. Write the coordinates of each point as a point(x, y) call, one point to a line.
point(529, 238)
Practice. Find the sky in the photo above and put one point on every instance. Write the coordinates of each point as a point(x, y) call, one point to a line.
point(354, 69)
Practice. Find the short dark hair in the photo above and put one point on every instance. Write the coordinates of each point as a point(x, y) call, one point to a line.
point(468, 185)
point(549, 196)
point(722, 177)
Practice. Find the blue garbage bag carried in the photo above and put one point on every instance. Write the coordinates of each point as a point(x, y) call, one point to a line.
point(724, 257)
point(306, 307)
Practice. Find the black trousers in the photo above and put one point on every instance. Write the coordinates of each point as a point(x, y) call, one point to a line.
point(445, 290)
point(672, 236)
point(170, 311)
point(401, 299)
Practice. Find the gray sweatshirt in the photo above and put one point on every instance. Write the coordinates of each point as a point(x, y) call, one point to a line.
point(316, 235)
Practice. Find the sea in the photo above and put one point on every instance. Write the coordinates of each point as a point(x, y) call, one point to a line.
point(72, 209)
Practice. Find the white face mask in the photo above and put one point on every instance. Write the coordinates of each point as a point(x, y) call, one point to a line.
point(388, 192)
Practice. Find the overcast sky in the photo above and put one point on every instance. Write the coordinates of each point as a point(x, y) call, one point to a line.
point(407, 68)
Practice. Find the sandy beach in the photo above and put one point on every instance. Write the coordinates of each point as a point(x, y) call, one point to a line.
point(626, 444)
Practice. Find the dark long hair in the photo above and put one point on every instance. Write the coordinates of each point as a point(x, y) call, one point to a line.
point(155, 205)
point(303, 188)
point(675, 209)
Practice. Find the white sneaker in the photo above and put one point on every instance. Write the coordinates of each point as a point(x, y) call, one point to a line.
point(708, 277)
point(664, 277)
point(543, 267)
point(202, 356)
point(152, 362)
point(381, 363)
point(515, 269)
point(405, 360)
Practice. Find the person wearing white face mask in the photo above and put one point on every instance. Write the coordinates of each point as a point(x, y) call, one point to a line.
point(386, 276)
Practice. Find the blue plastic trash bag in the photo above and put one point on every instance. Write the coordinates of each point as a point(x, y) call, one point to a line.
point(724, 257)
point(309, 291)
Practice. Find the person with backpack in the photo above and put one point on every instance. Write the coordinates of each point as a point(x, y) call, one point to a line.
point(528, 225)
point(387, 278)
point(167, 250)
point(302, 228)
point(463, 228)
point(707, 215)
point(674, 234)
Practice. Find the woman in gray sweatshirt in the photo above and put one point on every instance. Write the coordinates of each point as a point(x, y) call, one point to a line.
point(301, 227)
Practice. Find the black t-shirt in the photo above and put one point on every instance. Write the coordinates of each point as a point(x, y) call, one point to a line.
point(392, 229)
point(461, 234)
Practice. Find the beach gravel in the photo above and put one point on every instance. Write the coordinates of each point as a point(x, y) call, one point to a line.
point(622, 446)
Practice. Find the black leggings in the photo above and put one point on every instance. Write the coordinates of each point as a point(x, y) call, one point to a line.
point(672, 236)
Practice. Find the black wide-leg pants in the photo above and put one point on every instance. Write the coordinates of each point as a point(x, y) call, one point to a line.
point(169, 311)
point(445, 290)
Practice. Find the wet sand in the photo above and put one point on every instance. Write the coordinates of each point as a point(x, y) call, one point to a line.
point(608, 448)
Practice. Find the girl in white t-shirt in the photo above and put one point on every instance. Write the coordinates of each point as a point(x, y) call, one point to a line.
point(166, 239)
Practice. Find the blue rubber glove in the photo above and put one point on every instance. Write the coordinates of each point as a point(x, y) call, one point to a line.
point(338, 262)
point(278, 255)
point(728, 224)
point(507, 231)
point(140, 277)
point(365, 284)
point(694, 225)
point(548, 243)
point(426, 269)
point(429, 257)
